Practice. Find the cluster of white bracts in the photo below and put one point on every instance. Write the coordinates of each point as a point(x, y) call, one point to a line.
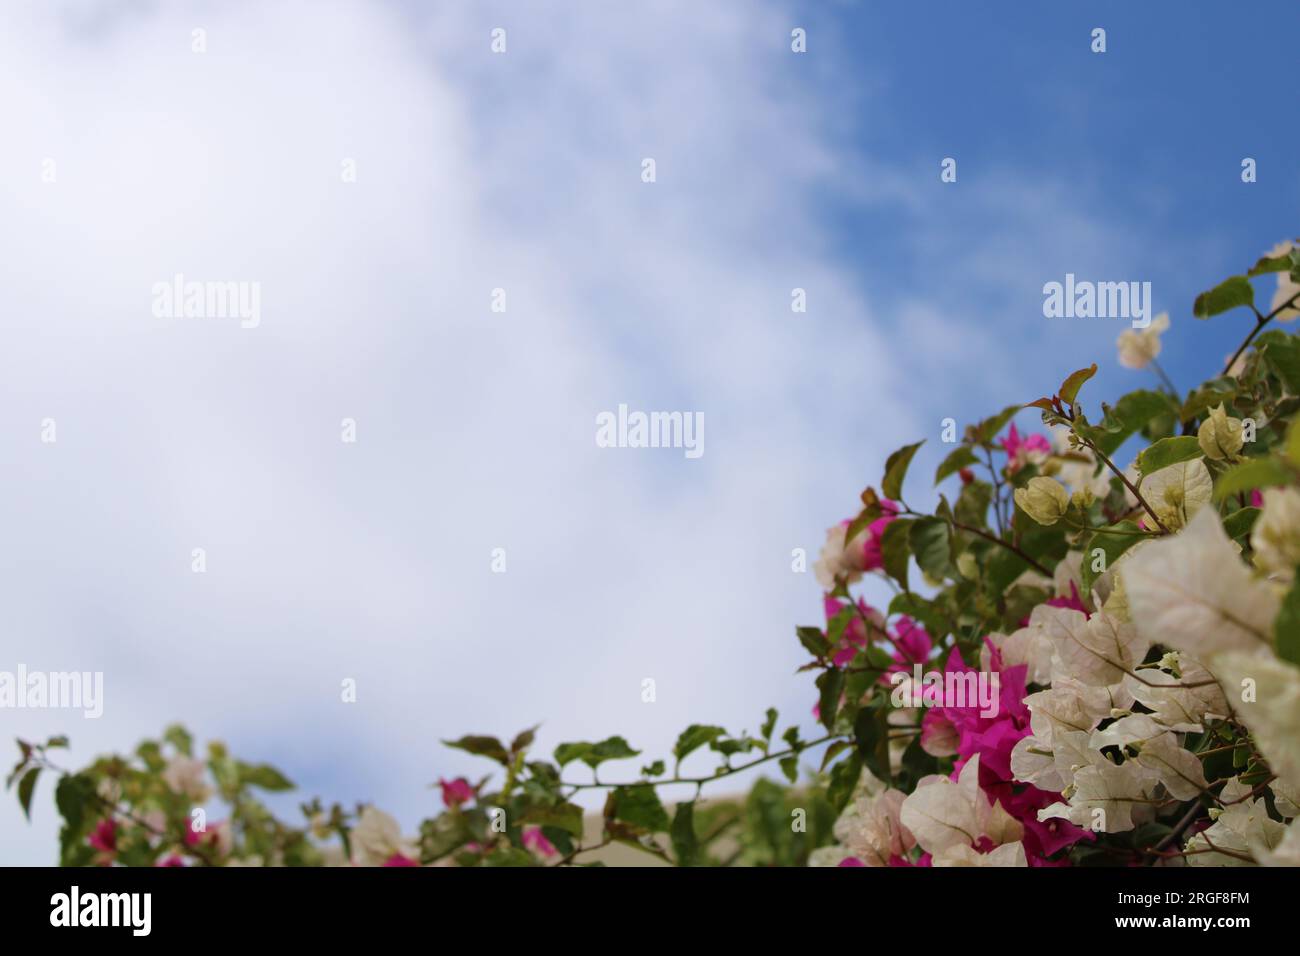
point(945, 818)
point(1193, 593)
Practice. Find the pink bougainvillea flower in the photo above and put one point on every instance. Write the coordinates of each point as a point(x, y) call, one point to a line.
point(847, 560)
point(170, 860)
point(104, 837)
point(1073, 601)
point(968, 731)
point(851, 861)
point(218, 837)
point(535, 840)
point(397, 859)
point(455, 792)
point(912, 645)
point(1033, 449)
point(855, 635)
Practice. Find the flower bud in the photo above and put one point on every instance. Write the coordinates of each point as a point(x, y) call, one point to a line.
point(1220, 436)
point(1043, 499)
point(967, 566)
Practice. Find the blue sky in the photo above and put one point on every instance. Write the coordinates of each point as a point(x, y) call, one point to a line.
point(1134, 153)
point(775, 171)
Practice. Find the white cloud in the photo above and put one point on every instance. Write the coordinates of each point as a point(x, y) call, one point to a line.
point(476, 430)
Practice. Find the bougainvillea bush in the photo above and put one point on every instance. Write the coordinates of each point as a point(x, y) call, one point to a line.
point(1082, 663)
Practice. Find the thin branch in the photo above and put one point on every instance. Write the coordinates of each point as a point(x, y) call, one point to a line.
point(1260, 322)
point(702, 780)
point(1124, 478)
point(1015, 549)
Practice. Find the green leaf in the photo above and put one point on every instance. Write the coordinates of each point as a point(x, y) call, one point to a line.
point(151, 754)
point(696, 736)
point(830, 683)
point(870, 663)
point(894, 549)
point(769, 724)
point(790, 767)
point(972, 506)
point(482, 746)
point(988, 429)
point(928, 539)
point(265, 776)
point(27, 787)
point(180, 738)
point(896, 470)
point(735, 745)
point(1111, 546)
point(916, 763)
point(1228, 294)
point(791, 737)
point(1291, 447)
point(593, 755)
point(1219, 391)
point(844, 777)
point(959, 458)
point(1074, 381)
point(563, 816)
point(21, 765)
point(1168, 451)
point(872, 736)
point(1269, 264)
point(1001, 568)
point(1286, 628)
point(1045, 544)
point(640, 807)
point(1128, 415)
point(1251, 474)
point(836, 626)
point(813, 641)
point(73, 795)
point(509, 856)
point(524, 739)
point(917, 607)
point(1282, 355)
point(868, 514)
point(682, 832)
point(1240, 522)
point(834, 750)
